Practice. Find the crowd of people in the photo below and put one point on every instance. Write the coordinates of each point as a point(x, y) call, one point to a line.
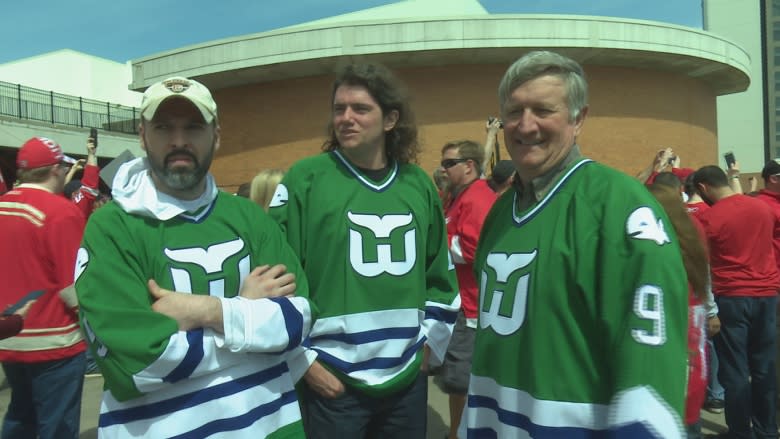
point(549, 295)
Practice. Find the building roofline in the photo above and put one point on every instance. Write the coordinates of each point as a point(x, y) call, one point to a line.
point(319, 49)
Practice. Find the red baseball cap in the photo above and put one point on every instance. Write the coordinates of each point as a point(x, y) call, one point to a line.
point(682, 173)
point(39, 152)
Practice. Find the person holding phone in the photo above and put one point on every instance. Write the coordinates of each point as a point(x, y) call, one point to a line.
point(665, 160)
point(84, 192)
point(745, 281)
point(40, 232)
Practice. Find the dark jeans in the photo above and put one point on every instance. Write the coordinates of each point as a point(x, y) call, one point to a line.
point(746, 351)
point(355, 415)
point(45, 399)
point(693, 431)
point(714, 389)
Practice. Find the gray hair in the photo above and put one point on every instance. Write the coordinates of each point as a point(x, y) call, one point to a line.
point(540, 63)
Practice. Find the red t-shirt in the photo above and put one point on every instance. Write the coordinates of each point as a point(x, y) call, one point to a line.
point(464, 217)
point(773, 200)
point(697, 209)
point(739, 233)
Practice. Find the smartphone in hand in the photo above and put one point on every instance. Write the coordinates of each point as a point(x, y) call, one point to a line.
point(730, 159)
point(93, 134)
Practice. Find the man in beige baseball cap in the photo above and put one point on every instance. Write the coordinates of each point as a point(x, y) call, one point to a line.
point(180, 87)
point(216, 361)
point(179, 131)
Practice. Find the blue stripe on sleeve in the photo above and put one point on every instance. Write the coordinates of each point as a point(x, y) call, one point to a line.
point(191, 359)
point(182, 402)
point(441, 314)
point(293, 321)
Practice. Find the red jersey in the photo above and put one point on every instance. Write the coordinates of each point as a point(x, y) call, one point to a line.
point(739, 233)
point(41, 234)
point(697, 360)
point(87, 194)
point(697, 351)
point(464, 217)
point(773, 200)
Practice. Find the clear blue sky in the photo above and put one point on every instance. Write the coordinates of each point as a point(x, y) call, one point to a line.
point(124, 30)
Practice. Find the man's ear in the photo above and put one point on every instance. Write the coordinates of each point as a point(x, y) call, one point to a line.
point(579, 121)
point(217, 137)
point(390, 120)
point(141, 136)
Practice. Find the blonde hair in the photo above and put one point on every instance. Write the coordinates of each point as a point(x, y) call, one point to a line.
point(264, 185)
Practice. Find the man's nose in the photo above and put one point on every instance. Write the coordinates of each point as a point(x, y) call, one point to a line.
point(179, 137)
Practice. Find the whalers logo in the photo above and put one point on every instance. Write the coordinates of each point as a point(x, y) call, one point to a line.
point(280, 197)
point(643, 224)
point(381, 227)
point(505, 266)
point(211, 260)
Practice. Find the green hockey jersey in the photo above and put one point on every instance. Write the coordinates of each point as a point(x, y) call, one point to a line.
point(378, 267)
point(582, 314)
point(162, 382)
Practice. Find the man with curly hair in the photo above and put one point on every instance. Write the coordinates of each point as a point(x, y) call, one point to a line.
point(368, 227)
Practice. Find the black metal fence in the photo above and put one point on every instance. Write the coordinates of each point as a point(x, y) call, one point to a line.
point(47, 106)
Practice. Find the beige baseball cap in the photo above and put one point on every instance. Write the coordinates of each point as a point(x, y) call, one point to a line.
point(181, 87)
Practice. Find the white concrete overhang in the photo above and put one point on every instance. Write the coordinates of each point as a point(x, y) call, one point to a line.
point(319, 49)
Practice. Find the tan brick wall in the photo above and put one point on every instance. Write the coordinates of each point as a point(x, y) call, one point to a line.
point(633, 113)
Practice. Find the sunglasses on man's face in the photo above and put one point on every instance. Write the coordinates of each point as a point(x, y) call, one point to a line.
point(448, 163)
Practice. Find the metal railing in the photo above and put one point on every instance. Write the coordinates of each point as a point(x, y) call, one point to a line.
point(30, 103)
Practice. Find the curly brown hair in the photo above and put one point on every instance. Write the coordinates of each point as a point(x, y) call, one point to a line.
point(400, 142)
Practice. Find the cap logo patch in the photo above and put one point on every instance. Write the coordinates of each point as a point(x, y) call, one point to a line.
point(177, 85)
point(53, 147)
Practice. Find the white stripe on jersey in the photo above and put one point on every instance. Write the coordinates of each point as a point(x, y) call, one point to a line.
point(506, 411)
point(151, 378)
point(242, 402)
point(369, 341)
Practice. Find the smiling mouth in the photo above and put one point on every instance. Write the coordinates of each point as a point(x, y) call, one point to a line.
point(530, 143)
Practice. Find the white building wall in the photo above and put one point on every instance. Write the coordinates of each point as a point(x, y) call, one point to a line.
point(740, 115)
point(74, 73)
